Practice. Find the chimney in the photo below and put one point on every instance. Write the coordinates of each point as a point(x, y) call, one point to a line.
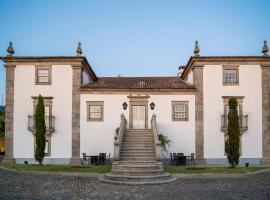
point(180, 70)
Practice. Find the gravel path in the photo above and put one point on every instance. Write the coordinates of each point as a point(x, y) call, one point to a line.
point(21, 185)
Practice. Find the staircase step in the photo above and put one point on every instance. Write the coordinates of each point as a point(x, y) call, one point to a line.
point(137, 167)
point(141, 151)
point(137, 130)
point(139, 136)
point(140, 172)
point(138, 142)
point(150, 178)
point(132, 146)
point(137, 158)
point(137, 162)
point(138, 148)
point(137, 154)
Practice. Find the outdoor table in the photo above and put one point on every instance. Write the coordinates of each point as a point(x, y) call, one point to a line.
point(94, 159)
point(182, 160)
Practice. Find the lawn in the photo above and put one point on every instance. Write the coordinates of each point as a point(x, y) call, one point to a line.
point(107, 168)
point(59, 168)
point(211, 170)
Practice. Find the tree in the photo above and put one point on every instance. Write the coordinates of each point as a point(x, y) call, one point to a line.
point(233, 142)
point(40, 130)
point(2, 123)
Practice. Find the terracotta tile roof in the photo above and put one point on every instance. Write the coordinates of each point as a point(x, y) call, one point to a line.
point(139, 83)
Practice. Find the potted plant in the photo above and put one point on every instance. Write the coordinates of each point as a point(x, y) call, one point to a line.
point(164, 141)
point(116, 133)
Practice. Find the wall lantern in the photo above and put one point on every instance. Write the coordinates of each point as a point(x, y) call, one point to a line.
point(152, 105)
point(124, 105)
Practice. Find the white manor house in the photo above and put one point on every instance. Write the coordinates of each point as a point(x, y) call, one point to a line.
point(83, 110)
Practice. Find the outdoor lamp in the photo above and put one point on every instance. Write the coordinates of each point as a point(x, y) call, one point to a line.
point(124, 105)
point(152, 105)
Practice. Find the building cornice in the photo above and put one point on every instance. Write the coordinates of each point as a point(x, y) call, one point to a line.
point(218, 60)
point(51, 60)
point(189, 91)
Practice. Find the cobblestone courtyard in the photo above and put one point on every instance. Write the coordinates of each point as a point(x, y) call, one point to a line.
point(20, 185)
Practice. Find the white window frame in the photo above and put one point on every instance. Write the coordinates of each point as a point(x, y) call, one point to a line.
point(226, 108)
point(231, 68)
point(95, 103)
point(37, 77)
point(186, 111)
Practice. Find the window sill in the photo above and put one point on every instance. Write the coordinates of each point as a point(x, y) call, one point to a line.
point(230, 84)
point(180, 119)
point(95, 120)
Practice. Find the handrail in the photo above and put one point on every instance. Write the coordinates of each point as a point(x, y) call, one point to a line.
point(242, 121)
point(156, 138)
point(49, 123)
point(119, 141)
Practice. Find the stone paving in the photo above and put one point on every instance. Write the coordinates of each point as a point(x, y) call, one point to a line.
point(21, 185)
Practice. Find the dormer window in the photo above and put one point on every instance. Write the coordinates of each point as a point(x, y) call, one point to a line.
point(43, 75)
point(230, 75)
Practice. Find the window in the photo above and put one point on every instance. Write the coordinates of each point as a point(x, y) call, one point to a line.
point(43, 75)
point(48, 101)
point(46, 151)
point(180, 111)
point(47, 114)
point(226, 112)
point(230, 75)
point(95, 110)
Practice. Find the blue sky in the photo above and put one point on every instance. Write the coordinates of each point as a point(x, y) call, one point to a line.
point(133, 38)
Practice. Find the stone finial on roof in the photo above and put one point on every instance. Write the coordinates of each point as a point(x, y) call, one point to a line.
point(79, 50)
point(197, 48)
point(265, 49)
point(10, 49)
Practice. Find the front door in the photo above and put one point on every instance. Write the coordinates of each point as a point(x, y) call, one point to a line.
point(138, 117)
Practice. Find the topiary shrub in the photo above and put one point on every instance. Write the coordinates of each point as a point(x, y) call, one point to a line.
point(40, 131)
point(233, 142)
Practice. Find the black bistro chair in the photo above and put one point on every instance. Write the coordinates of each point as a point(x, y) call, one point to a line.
point(190, 159)
point(175, 159)
point(108, 159)
point(85, 159)
point(101, 158)
point(172, 161)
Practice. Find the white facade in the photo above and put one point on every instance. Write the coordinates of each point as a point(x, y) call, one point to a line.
point(98, 136)
point(61, 91)
point(250, 89)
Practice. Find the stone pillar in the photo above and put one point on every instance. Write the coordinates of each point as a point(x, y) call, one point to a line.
point(9, 114)
point(199, 124)
point(265, 114)
point(76, 83)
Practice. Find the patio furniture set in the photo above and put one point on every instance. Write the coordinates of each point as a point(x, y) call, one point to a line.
point(100, 159)
point(181, 159)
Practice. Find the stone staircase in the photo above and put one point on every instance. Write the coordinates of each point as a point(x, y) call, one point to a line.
point(137, 164)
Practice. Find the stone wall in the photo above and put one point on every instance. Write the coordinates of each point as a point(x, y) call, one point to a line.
point(9, 110)
point(265, 114)
point(76, 83)
point(199, 123)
